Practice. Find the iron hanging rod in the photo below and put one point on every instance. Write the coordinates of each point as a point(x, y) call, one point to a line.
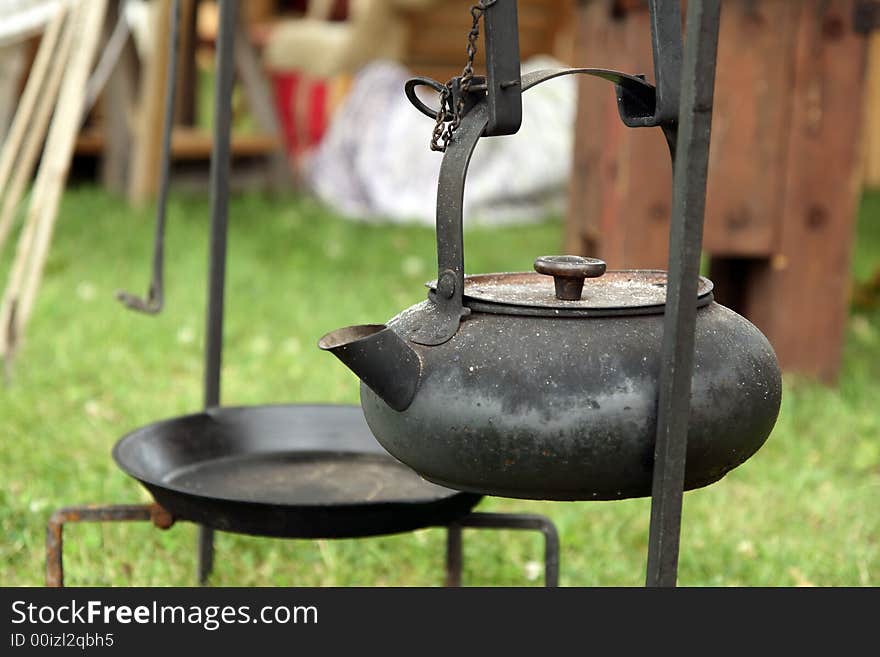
point(155, 298)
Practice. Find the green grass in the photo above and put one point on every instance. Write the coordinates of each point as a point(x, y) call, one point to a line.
point(803, 510)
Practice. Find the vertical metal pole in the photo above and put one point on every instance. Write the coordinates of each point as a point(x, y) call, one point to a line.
point(219, 190)
point(454, 555)
point(666, 41)
point(685, 244)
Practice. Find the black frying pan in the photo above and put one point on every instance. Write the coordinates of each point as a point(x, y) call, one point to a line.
point(285, 471)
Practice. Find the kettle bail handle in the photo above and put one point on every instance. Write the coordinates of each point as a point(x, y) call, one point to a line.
point(637, 104)
point(448, 298)
point(447, 308)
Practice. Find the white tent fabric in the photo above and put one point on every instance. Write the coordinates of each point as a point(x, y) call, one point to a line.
point(20, 19)
point(375, 163)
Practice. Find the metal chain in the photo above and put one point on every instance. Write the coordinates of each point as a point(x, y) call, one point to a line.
point(449, 117)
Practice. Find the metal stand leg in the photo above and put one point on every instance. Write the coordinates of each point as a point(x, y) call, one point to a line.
point(164, 520)
point(454, 555)
point(220, 165)
point(206, 554)
point(115, 513)
point(526, 522)
point(686, 234)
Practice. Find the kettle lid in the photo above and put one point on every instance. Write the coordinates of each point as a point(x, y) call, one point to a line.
point(558, 288)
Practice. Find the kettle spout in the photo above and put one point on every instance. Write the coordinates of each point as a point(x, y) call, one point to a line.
point(381, 359)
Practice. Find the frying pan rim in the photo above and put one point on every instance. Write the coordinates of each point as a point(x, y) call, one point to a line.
point(149, 480)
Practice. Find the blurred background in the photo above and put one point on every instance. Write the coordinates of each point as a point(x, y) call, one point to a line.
point(332, 224)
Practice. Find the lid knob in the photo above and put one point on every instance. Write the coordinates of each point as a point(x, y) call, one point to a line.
point(569, 272)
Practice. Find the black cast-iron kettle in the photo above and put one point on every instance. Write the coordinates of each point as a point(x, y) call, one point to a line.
point(544, 384)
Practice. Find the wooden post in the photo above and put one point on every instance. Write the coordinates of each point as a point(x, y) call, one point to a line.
point(187, 71)
point(22, 146)
point(119, 102)
point(784, 167)
point(21, 123)
point(800, 296)
point(262, 105)
point(619, 172)
point(872, 113)
point(749, 132)
point(86, 21)
point(144, 179)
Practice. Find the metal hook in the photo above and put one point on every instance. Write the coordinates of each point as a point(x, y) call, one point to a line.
point(410, 90)
point(152, 305)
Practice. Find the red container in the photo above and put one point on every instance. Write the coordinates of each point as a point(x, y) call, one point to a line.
point(301, 104)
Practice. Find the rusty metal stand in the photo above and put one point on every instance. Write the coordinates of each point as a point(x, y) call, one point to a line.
point(163, 520)
point(683, 110)
point(516, 521)
point(112, 513)
point(219, 199)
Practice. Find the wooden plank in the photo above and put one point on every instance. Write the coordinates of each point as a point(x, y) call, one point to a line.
point(188, 143)
point(436, 45)
point(196, 144)
point(258, 11)
point(592, 174)
point(784, 176)
point(262, 106)
point(437, 36)
point(644, 170)
point(751, 115)
point(33, 92)
point(187, 72)
point(27, 269)
point(54, 167)
point(27, 158)
point(872, 113)
point(620, 192)
point(628, 201)
point(118, 104)
point(800, 296)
